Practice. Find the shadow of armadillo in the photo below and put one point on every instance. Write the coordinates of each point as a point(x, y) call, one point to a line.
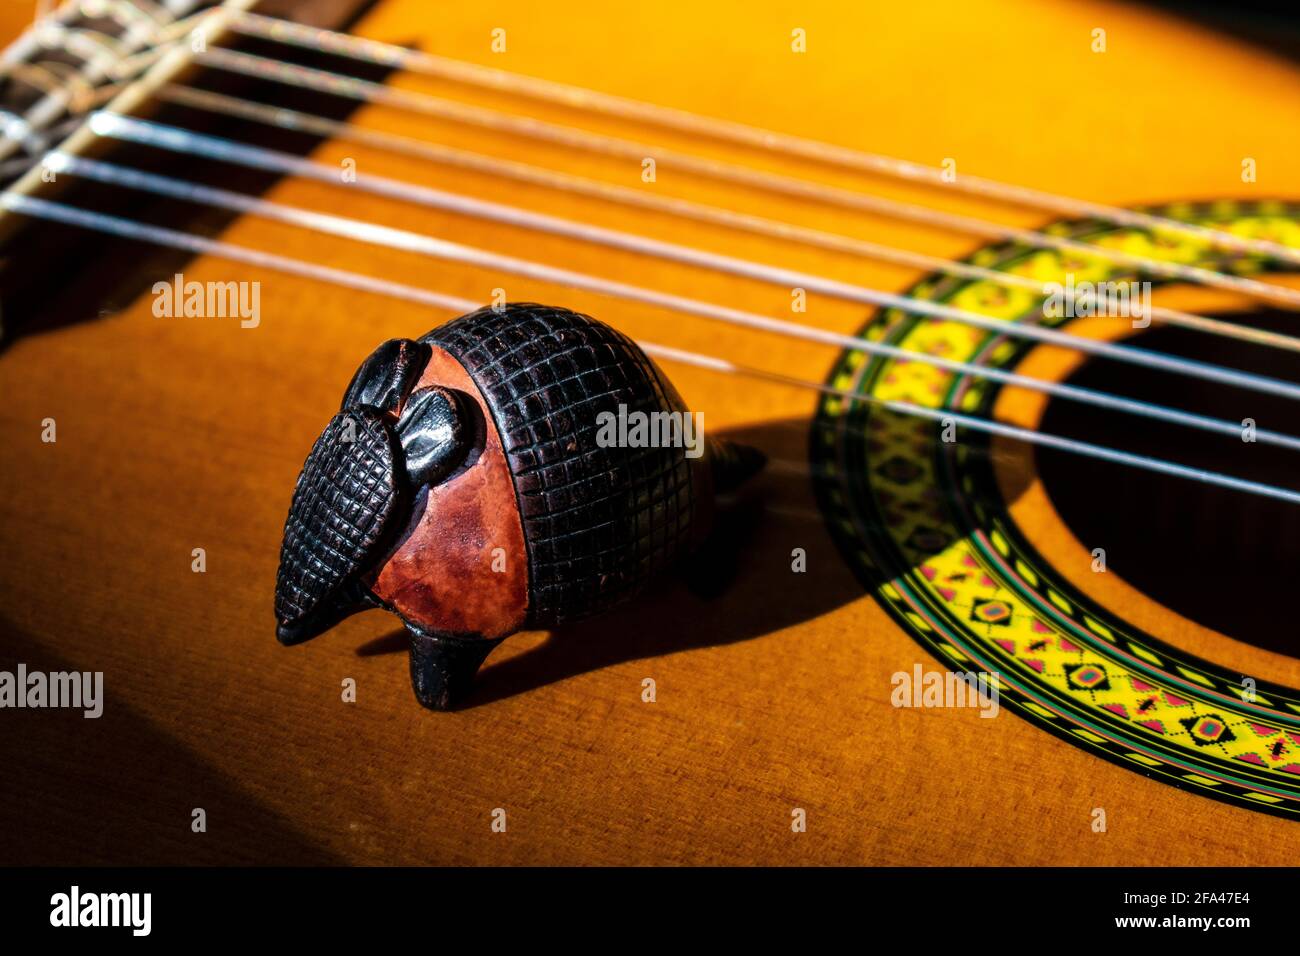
point(740, 584)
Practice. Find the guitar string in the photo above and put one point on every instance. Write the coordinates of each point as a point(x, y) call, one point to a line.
point(51, 31)
point(284, 118)
point(993, 427)
point(1194, 275)
point(598, 144)
point(1234, 429)
point(130, 229)
point(361, 49)
point(1172, 316)
point(188, 142)
point(622, 108)
point(388, 237)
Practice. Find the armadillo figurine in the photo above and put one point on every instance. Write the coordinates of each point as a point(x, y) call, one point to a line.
point(466, 486)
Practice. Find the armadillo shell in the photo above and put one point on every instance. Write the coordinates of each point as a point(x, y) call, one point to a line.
point(340, 518)
point(598, 522)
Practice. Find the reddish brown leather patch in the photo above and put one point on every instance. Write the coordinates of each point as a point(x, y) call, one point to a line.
point(447, 574)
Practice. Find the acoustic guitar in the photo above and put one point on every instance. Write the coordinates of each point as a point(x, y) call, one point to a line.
point(1004, 291)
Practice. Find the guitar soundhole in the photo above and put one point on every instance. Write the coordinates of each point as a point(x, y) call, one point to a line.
point(1223, 558)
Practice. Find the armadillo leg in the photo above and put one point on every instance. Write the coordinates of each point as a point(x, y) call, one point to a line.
point(443, 667)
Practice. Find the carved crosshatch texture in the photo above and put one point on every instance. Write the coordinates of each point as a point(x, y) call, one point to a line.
point(598, 521)
point(342, 506)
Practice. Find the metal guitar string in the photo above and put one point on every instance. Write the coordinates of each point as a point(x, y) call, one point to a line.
point(283, 118)
point(599, 144)
point(107, 63)
point(737, 220)
point(232, 13)
point(591, 101)
point(135, 179)
point(210, 147)
point(418, 243)
point(130, 229)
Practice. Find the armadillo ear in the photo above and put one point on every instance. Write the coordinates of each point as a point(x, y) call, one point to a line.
point(387, 376)
point(436, 432)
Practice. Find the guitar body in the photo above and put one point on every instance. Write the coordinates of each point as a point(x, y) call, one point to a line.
point(864, 550)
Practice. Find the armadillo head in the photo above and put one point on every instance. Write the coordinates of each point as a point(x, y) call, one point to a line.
point(390, 440)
